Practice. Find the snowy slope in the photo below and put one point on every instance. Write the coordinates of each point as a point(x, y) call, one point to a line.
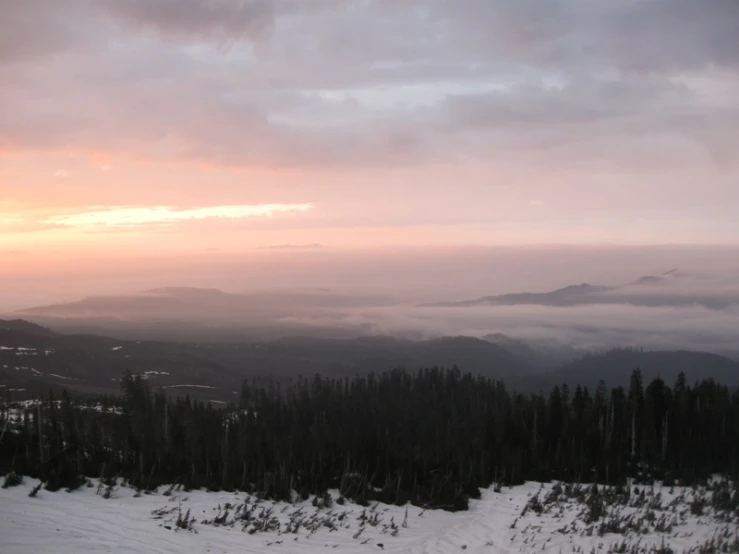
point(84, 521)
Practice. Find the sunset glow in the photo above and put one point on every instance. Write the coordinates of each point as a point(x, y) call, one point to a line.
point(152, 130)
point(129, 217)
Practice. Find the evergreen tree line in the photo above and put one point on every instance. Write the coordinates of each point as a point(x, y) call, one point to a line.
point(433, 437)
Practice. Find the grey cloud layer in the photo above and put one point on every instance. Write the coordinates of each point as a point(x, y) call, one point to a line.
point(638, 35)
point(223, 21)
point(588, 327)
point(633, 35)
point(335, 82)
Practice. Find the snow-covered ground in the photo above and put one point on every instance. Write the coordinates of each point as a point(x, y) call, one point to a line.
point(85, 521)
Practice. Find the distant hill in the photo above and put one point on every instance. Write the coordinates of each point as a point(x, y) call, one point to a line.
point(566, 296)
point(379, 353)
point(539, 355)
point(201, 305)
point(21, 325)
point(469, 354)
point(731, 354)
point(35, 359)
point(193, 292)
point(648, 291)
point(615, 367)
point(649, 280)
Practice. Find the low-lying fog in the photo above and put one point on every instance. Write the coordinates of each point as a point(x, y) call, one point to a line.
point(585, 327)
point(668, 297)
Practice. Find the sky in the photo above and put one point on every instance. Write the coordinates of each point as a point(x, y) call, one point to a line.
point(140, 130)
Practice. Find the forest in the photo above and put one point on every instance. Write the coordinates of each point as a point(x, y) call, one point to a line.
point(431, 437)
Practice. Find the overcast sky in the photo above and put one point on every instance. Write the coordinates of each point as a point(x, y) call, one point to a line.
point(163, 127)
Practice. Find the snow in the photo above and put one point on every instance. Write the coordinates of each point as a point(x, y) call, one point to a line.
point(16, 409)
point(36, 372)
point(189, 386)
point(152, 373)
point(83, 521)
point(117, 348)
point(25, 351)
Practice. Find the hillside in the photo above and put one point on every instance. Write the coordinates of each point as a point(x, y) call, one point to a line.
point(35, 359)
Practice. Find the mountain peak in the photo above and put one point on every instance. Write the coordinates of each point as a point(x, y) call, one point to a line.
point(648, 280)
point(581, 287)
point(23, 325)
point(184, 291)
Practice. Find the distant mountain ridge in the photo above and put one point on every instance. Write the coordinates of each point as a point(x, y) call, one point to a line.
point(543, 356)
point(23, 325)
point(173, 290)
point(177, 303)
point(565, 296)
point(645, 292)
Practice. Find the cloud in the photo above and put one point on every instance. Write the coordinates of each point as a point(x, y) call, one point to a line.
point(222, 21)
point(592, 327)
point(634, 35)
point(588, 118)
point(10, 219)
point(61, 174)
point(39, 28)
point(587, 106)
point(669, 35)
point(324, 91)
point(112, 217)
point(586, 327)
point(314, 246)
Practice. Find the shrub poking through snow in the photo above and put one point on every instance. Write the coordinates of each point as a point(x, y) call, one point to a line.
point(12, 479)
point(34, 490)
point(184, 522)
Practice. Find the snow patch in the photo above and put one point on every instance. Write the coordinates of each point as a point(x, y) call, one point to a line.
point(190, 386)
point(83, 521)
